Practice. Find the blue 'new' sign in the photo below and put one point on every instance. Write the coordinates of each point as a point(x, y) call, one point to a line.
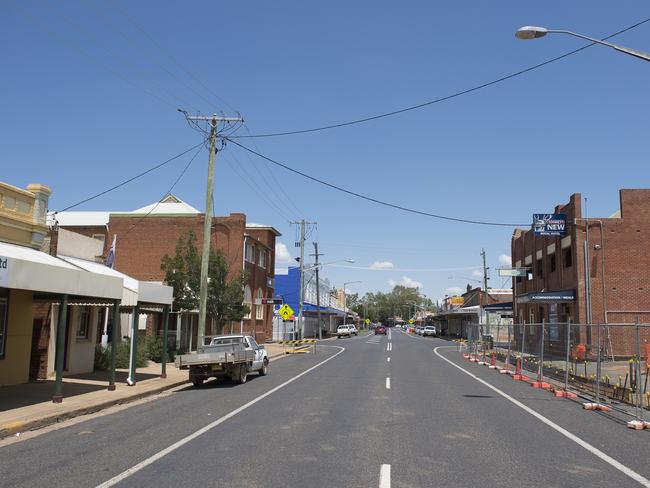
point(549, 224)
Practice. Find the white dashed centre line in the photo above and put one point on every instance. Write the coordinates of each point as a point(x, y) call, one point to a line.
point(384, 476)
point(388, 383)
point(388, 359)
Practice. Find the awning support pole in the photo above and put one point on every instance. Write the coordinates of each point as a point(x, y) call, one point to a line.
point(163, 372)
point(60, 349)
point(116, 337)
point(134, 344)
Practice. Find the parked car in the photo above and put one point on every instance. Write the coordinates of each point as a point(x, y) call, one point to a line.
point(380, 330)
point(232, 356)
point(430, 330)
point(343, 330)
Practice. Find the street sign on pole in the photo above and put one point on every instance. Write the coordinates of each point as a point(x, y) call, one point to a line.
point(285, 311)
point(268, 301)
point(367, 321)
point(512, 272)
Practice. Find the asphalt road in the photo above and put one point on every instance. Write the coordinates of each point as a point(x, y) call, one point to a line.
point(346, 416)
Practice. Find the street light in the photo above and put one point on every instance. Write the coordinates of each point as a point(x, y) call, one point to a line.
point(533, 32)
point(320, 265)
point(345, 300)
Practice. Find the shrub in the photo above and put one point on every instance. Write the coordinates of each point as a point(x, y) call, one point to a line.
point(154, 348)
point(122, 353)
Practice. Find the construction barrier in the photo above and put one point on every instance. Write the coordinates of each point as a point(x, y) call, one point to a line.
point(606, 364)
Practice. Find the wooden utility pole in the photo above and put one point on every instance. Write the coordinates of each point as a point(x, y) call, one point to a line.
point(213, 120)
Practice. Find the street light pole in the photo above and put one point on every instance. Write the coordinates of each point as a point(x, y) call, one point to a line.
point(345, 300)
point(533, 32)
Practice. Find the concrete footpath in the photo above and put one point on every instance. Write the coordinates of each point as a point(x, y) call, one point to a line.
point(29, 407)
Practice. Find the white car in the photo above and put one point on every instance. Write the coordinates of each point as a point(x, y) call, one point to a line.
point(429, 330)
point(353, 329)
point(346, 330)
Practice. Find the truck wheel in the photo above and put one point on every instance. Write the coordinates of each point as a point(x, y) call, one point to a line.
point(241, 374)
point(265, 368)
point(198, 382)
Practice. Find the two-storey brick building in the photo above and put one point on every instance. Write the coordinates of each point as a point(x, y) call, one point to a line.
point(147, 234)
point(618, 267)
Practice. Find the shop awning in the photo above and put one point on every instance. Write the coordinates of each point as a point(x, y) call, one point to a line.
point(24, 268)
point(134, 291)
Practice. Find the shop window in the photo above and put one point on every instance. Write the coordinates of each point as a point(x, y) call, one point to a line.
point(83, 323)
point(552, 263)
point(568, 257)
point(3, 326)
point(540, 268)
point(259, 309)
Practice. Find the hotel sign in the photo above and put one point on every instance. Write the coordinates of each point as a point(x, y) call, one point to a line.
point(549, 224)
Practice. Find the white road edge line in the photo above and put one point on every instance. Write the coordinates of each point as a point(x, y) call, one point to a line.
point(388, 383)
point(384, 476)
point(594, 450)
point(150, 460)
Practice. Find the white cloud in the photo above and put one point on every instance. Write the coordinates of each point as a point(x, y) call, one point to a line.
point(407, 282)
point(477, 274)
point(454, 290)
point(382, 265)
point(282, 255)
point(505, 260)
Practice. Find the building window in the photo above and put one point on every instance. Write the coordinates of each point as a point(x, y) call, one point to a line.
point(568, 257)
point(540, 268)
point(248, 300)
point(250, 253)
point(259, 309)
point(262, 258)
point(83, 323)
point(3, 326)
point(551, 263)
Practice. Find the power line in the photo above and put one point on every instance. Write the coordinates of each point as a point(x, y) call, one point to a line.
point(369, 268)
point(252, 184)
point(375, 200)
point(99, 60)
point(277, 184)
point(130, 38)
point(171, 188)
point(170, 57)
point(442, 99)
point(133, 178)
point(118, 57)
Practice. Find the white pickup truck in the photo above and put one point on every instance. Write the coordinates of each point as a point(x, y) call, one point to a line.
point(232, 356)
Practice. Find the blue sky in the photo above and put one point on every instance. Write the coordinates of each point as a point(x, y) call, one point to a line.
point(87, 100)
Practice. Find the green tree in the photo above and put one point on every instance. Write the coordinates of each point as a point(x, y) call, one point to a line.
point(225, 297)
point(183, 273)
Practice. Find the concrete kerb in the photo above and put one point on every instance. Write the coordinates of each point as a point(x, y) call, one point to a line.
point(12, 428)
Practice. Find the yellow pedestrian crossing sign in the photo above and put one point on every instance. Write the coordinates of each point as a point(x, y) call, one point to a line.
point(410, 321)
point(367, 321)
point(285, 311)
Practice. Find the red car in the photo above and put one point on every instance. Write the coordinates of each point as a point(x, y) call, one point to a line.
point(380, 330)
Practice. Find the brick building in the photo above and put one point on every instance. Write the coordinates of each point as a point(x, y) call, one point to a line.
point(618, 264)
point(147, 234)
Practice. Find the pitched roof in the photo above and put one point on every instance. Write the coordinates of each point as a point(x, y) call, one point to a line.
point(171, 204)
